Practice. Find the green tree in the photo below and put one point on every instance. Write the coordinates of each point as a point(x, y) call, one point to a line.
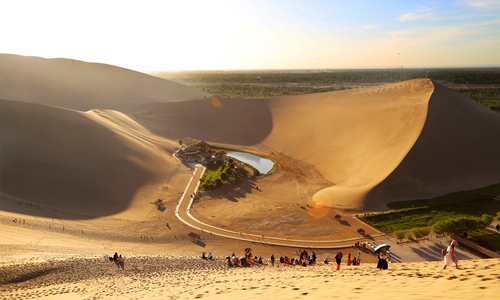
point(459, 225)
point(416, 233)
point(223, 176)
point(498, 216)
point(180, 142)
point(218, 182)
point(487, 219)
point(425, 231)
point(438, 228)
point(409, 236)
point(399, 234)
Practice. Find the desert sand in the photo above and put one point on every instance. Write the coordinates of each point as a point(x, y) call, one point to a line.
point(77, 276)
point(84, 164)
point(81, 162)
point(61, 262)
point(354, 150)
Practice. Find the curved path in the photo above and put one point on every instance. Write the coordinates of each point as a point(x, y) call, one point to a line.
point(182, 212)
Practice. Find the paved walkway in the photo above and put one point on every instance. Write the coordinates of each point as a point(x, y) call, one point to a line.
point(183, 214)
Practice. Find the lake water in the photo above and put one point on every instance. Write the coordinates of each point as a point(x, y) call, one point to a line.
point(262, 164)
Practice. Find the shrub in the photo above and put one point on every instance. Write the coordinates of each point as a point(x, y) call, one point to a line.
point(487, 219)
point(399, 234)
point(409, 236)
point(438, 228)
point(425, 231)
point(416, 233)
point(420, 232)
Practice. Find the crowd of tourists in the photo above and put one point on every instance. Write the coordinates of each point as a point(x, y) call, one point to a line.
point(304, 258)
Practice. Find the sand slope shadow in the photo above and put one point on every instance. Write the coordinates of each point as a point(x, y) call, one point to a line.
point(457, 150)
point(68, 161)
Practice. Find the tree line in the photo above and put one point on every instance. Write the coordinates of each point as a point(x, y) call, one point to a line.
point(254, 91)
point(440, 75)
point(458, 225)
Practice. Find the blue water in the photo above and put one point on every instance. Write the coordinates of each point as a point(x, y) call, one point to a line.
point(262, 164)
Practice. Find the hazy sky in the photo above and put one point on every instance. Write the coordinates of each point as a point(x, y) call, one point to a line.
point(238, 34)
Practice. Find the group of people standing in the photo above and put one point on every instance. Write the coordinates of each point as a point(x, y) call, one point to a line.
point(20, 221)
point(304, 259)
point(356, 261)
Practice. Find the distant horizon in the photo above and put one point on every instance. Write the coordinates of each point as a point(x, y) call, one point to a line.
point(297, 69)
point(256, 34)
point(328, 69)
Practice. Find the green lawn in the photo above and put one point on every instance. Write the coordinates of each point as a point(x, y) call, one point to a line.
point(428, 211)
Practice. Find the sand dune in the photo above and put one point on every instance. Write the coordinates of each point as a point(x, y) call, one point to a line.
point(98, 163)
point(456, 151)
point(374, 145)
point(81, 85)
point(355, 138)
point(407, 140)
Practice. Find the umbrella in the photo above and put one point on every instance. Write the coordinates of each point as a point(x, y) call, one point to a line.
point(377, 250)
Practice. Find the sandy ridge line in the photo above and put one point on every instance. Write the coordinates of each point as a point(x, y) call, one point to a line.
point(275, 241)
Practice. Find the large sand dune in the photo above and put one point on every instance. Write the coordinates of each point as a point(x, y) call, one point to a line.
point(374, 145)
point(457, 150)
point(406, 140)
point(98, 163)
point(80, 85)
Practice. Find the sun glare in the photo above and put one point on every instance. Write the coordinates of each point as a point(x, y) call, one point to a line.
point(319, 205)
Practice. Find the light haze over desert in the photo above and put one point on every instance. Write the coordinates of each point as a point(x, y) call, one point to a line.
point(90, 142)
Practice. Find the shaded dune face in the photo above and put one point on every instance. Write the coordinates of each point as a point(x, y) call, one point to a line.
point(243, 122)
point(457, 150)
point(83, 86)
point(76, 161)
